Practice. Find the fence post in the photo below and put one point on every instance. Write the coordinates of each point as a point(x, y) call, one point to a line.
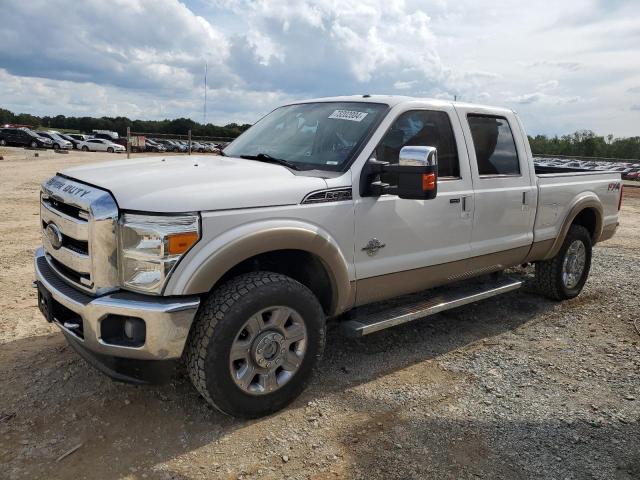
point(189, 142)
point(128, 142)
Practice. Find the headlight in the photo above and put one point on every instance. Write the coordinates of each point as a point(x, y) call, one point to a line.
point(150, 247)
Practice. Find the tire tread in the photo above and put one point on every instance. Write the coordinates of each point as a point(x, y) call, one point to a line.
point(549, 271)
point(213, 311)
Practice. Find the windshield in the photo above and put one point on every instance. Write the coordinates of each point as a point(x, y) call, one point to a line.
point(320, 136)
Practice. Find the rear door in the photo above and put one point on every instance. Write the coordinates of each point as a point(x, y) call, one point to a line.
point(504, 186)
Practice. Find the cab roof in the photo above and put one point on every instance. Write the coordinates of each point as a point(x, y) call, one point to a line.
point(393, 100)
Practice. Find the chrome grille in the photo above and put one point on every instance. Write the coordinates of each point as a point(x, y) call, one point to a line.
point(79, 234)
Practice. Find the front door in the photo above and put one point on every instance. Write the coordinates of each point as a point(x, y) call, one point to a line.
point(403, 246)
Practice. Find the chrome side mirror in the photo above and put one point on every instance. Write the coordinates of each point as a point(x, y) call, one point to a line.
point(418, 173)
point(418, 156)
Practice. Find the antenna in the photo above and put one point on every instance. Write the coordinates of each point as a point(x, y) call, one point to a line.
point(205, 93)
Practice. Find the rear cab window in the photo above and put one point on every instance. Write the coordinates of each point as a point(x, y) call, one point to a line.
point(494, 146)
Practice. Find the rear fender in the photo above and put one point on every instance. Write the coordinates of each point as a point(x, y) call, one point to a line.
point(587, 201)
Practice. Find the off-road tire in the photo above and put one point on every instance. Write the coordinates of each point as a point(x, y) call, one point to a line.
point(549, 272)
point(217, 323)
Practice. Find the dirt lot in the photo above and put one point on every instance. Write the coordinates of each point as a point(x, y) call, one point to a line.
point(516, 387)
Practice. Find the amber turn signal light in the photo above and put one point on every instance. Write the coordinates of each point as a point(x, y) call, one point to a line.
point(181, 242)
point(428, 181)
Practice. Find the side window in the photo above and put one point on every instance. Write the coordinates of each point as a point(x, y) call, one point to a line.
point(494, 145)
point(421, 128)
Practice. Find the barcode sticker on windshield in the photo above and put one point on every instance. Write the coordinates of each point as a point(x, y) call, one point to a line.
point(348, 115)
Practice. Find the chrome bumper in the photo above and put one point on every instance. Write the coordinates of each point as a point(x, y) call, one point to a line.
point(167, 320)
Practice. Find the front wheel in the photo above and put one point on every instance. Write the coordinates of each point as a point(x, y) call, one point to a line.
point(563, 276)
point(3, 142)
point(110, 150)
point(255, 343)
point(56, 146)
point(34, 144)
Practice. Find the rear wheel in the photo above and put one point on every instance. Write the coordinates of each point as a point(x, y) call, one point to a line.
point(255, 343)
point(3, 142)
point(563, 276)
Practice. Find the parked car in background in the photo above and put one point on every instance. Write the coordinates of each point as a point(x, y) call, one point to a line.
point(100, 145)
point(197, 147)
point(167, 144)
point(77, 138)
point(106, 134)
point(23, 137)
point(70, 139)
point(153, 146)
point(183, 145)
point(57, 142)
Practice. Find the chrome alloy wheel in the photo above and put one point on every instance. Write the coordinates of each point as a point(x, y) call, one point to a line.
point(268, 350)
point(573, 264)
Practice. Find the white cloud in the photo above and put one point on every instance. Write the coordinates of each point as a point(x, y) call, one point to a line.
point(541, 97)
point(404, 85)
point(548, 85)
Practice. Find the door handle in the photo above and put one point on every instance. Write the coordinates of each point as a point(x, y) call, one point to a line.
point(454, 200)
point(466, 203)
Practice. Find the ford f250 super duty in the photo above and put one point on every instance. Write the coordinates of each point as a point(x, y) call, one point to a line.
point(369, 211)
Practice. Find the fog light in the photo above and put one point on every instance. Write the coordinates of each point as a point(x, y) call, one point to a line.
point(134, 329)
point(124, 331)
point(129, 327)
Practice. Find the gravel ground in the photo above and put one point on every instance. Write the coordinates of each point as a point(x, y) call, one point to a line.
point(514, 387)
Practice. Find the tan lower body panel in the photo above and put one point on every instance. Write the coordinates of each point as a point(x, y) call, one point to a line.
point(383, 287)
point(608, 232)
point(539, 250)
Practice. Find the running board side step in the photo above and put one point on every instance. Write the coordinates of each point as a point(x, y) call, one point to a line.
point(370, 319)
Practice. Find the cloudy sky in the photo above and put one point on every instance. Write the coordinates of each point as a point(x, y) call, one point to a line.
point(563, 65)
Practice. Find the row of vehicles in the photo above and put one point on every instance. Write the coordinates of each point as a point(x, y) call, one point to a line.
point(180, 146)
point(99, 141)
point(26, 137)
point(628, 170)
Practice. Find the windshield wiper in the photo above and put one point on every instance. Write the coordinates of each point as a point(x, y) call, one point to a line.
point(265, 157)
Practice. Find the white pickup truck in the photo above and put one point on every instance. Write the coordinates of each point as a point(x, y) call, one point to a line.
point(366, 210)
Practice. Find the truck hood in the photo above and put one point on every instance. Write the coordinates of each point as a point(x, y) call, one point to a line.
point(196, 183)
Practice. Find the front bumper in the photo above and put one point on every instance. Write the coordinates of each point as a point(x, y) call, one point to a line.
point(167, 319)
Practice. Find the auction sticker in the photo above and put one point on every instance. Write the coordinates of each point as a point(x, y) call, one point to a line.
point(352, 115)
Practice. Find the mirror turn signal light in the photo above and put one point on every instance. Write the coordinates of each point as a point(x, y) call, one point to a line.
point(428, 181)
point(181, 242)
